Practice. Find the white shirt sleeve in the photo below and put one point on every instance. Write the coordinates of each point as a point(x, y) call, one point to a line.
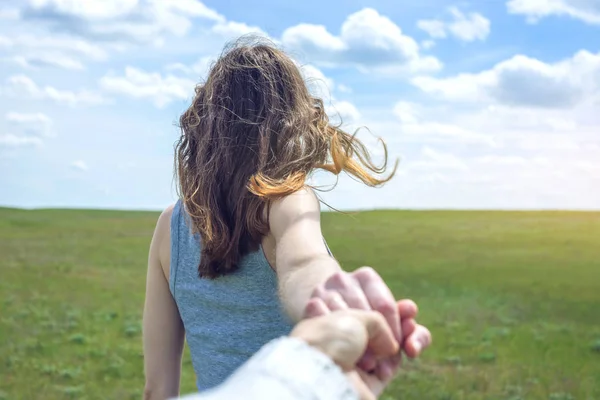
point(284, 369)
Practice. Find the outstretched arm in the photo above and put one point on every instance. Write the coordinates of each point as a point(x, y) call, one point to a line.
point(306, 270)
point(163, 331)
point(302, 259)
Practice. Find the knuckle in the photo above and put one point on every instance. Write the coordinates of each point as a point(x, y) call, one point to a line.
point(367, 272)
point(318, 291)
point(337, 297)
point(384, 307)
point(335, 301)
point(380, 319)
point(340, 279)
point(331, 294)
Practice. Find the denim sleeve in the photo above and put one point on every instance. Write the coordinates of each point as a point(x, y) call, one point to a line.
point(284, 369)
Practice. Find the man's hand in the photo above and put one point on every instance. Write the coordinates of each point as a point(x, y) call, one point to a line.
point(339, 335)
point(345, 335)
point(364, 289)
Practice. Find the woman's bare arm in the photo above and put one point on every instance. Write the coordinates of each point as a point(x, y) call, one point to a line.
point(163, 330)
point(302, 259)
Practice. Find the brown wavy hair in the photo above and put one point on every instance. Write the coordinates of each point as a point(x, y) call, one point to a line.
point(254, 134)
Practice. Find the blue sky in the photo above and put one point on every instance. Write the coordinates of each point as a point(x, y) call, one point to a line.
point(489, 104)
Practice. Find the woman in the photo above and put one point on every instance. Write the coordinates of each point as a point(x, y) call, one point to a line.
point(235, 262)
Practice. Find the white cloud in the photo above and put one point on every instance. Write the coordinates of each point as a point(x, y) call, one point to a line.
point(507, 136)
point(160, 90)
point(465, 27)
point(584, 10)
point(435, 178)
point(530, 153)
point(547, 142)
point(115, 9)
point(446, 132)
point(323, 87)
point(12, 140)
point(432, 159)
point(423, 123)
point(9, 14)
point(163, 89)
point(59, 51)
point(589, 167)
point(501, 160)
point(79, 165)
point(538, 130)
point(34, 61)
point(5, 42)
point(199, 68)
point(318, 84)
point(367, 40)
point(36, 124)
point(428, 44)
point(93, 10)
point(115, 26)
point(434, 28)
point(344, 88)
point(406, 112)
point(314, 39)
point(26, 129)
point(190, 7)
point(523, 81)
point(231, 30)
point(123, 20)
point(344, 110)
point(60, 43)
point(25, 87)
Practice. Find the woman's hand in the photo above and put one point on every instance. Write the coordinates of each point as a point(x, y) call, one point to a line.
point(371, 384)
point(364, 289)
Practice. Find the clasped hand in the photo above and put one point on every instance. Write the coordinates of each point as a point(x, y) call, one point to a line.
point(365, 290)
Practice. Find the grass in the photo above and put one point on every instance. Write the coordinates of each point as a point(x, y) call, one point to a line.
point(511, 298)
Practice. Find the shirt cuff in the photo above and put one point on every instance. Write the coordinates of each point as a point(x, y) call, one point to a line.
point(302, 368)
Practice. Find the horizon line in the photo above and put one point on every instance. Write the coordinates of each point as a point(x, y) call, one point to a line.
point(325, 209)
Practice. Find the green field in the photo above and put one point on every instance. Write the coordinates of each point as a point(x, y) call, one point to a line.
point(512, 299)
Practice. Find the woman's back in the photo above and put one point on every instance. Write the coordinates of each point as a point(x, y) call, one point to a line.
point(250, 139)
point(226, 319)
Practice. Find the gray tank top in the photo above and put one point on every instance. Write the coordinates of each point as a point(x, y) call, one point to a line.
point(227, 319)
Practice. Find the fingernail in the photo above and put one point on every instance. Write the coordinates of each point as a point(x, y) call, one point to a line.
point(417, 346)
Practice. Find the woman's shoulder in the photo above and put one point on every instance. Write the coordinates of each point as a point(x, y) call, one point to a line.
point(163, 233)
point(303, 199)
point(163, 225)
point(302, 205)
point(297, 203)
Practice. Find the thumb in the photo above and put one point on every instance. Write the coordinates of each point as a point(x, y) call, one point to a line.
point(380, 338)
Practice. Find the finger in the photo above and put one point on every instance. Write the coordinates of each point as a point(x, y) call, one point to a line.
point(407, 309)
point(386, 369)
point(408, 327)
point(334, 301)
point(389, 367)
point(380, 298)
point(315, 308)
point(349, 289)
point(381, 340)
point(418, 341)
point(368, 362)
